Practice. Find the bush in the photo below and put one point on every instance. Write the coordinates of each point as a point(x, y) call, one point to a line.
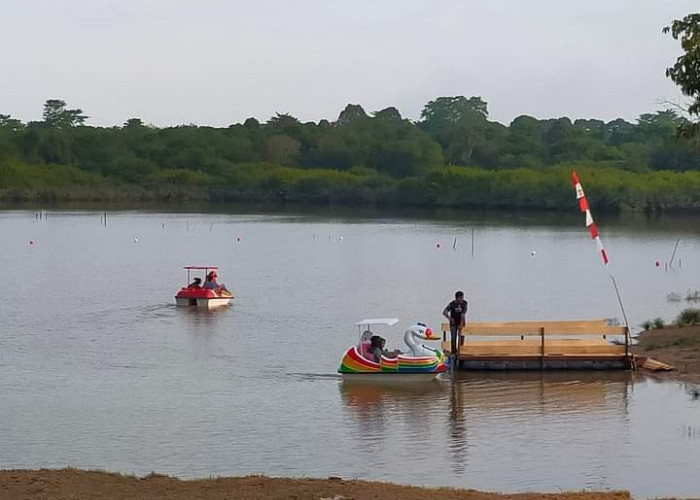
point(689, 316)
point(659, 323)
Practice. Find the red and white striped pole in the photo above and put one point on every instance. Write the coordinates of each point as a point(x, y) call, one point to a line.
point(590, 224)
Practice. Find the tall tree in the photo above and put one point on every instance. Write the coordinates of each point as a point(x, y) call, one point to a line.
point(352, 113)
point(458, 124)
point(6, 121)
point(56, 115)
point(686, 72)
point(390, 113)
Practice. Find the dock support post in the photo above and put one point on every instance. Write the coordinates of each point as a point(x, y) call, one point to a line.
point(542, 348)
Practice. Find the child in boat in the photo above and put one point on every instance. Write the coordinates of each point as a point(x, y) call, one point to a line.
point(377, 344)
point(366, 344)
point(197, 283)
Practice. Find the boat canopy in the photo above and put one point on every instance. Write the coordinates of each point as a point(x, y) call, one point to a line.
point(200, 267)
point(378, 321)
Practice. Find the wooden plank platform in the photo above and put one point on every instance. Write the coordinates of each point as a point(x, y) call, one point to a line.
point(528, 328)
point(580, 344)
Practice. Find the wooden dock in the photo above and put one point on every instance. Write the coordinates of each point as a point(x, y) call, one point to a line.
point(541, 345)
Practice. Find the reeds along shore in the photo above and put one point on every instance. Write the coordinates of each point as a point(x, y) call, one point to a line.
point(449, 186)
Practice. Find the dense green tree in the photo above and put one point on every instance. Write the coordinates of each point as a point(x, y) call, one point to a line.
point(282, 149)
point(9, 123)
point(352, 113)
point(390, 113)
point(283, 121)
point(57, 115)
point(686, 71)
point(458, 124)
point(133, 123)
point(381, 158)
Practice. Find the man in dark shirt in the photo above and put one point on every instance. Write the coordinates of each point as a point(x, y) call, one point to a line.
point(456, 312)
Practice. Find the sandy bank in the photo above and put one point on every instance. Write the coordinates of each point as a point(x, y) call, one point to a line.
point(677, 346)
point(82, 485)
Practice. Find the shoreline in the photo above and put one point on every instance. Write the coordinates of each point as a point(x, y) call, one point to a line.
point(76, 484)
point(676, 346)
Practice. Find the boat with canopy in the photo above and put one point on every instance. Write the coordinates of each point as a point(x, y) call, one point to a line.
point(421, 363)
point(207, 294)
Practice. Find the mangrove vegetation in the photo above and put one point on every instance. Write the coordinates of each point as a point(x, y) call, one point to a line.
point(453, 156)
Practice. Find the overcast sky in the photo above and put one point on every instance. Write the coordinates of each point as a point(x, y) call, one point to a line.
point(217, 62)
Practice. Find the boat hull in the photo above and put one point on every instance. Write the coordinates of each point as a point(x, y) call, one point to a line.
point(206, 303)
point(389, 378)
point(402, 368)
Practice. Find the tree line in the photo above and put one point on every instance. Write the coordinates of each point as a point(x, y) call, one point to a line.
point(453, 156)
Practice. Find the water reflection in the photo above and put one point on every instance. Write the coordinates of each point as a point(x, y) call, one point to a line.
point(537, 392)
point(458, 430)
point(200, 319)
point(472, 410)
point(375, 408)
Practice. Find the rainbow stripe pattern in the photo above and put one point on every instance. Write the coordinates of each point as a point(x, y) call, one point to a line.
point(354, 362)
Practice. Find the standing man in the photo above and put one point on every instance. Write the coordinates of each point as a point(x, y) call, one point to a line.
point(456, 312)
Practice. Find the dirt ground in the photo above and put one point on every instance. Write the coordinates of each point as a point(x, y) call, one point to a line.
point(72, 484)
point(676, 346)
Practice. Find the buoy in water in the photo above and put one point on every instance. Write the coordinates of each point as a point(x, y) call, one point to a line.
point(533, 253)
point(657, 263)
point(136, 240)
point(438, 245)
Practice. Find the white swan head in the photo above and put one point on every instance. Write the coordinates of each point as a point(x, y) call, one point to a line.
point(413, 337)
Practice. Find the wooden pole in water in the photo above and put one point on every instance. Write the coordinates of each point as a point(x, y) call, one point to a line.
point(542, 348)
point(472, 242)
point(670, 263)
point(624, 314)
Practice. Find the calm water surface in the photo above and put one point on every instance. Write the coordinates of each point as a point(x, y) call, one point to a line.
point(99, 369)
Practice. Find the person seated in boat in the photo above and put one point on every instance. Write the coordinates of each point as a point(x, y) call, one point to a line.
point(197, 283)
point(377, 345)
point(366, 345)
point(210, 282)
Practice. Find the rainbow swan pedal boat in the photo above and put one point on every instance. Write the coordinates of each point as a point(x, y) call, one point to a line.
point(420, 364)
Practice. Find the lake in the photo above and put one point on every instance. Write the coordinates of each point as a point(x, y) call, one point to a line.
point(99, 369)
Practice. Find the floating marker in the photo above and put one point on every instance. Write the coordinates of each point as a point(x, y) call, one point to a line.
point(657, 263)
point(438, 245)
point(533, 253)
point(136, 240)
point(31, 242)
